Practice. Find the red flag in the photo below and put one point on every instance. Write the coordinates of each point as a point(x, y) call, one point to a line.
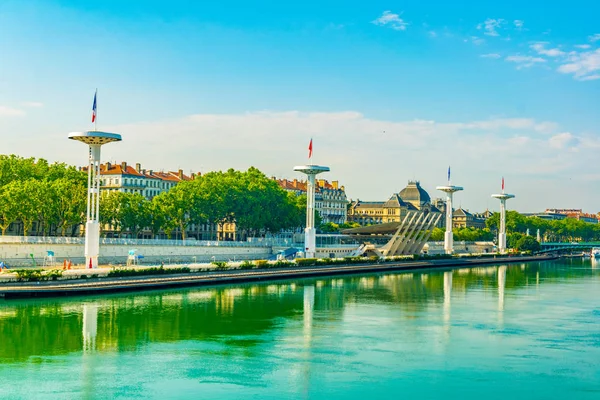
point(310, 149)
point(503, 184)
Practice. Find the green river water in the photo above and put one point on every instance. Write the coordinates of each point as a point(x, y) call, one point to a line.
point(529, 331)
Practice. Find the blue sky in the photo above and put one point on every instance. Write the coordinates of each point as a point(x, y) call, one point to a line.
point(389, 90)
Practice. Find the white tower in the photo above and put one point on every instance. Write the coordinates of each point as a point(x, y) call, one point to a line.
point(502, 231)
point(449, 190)
point(310, 237)
point(95, 140)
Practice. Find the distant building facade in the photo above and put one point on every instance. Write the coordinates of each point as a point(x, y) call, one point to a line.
point(575, 214)
point(462, 218)
point(330, 198)
point(412, 198)
point(149, 183)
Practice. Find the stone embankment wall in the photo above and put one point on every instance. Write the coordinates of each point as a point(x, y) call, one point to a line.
point(18, 255)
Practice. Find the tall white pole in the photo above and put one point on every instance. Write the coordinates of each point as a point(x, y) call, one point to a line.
point(92, 226)
point(502, 228)
point(502, 232)
point(94, 140)
point(448, 236)
point(310, 233)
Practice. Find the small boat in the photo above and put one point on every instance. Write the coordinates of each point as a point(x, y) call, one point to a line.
point(596, 252)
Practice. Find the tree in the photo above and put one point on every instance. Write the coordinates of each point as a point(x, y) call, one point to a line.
point(527, 243)
point(512, 239)
point(9, 207)
point(437, 234)
point(69, 197)
point(134, 213)
point(180, 209)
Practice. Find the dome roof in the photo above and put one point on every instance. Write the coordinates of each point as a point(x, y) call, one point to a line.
point(415, 194)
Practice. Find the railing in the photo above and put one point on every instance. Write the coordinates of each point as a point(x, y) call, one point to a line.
point(130, 242)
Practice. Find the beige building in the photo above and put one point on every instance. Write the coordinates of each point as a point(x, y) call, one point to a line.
point(124, 178)
point(412, 198)
point(330, 198)
point(463, 219)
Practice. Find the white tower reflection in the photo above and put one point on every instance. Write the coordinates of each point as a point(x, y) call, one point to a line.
point(501, 286)
point(309, 305)
point(447, 297)
point(89, 332)
point(90, 327)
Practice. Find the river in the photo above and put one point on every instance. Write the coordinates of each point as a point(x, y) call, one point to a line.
point(528, 331)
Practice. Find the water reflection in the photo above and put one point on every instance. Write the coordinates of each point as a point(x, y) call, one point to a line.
point(246, 316)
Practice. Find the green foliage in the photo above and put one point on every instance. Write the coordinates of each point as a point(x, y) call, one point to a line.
point(28, 275)
point(261, 263)
point(527, 243)
point(147, 271)
point(36, 275)
point(33, 190)
point(437, 235)
point(306, 261)
point(283, 263)
point(53, 274)
point(220, 265)
point(247, 265)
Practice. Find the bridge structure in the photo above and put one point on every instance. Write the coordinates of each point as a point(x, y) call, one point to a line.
point(406, 237)
point(562, 247)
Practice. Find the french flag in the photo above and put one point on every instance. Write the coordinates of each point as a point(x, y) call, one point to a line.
point(94, 108)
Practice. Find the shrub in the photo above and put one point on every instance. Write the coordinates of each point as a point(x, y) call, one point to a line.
point(261, 263)
point(221, 265)
point(306, 261)
point(246, 265)
point(283, 263)
point(53, 274)
point(29, 275)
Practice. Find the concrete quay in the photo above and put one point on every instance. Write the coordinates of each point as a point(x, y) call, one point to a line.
point(100, 285)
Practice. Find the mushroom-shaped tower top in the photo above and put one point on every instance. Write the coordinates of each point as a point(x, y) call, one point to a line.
point(311, 169)
point(95, 137)
point(504, 196)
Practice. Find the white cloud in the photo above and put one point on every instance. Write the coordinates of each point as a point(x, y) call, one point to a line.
point(11, 112)
point(525, 61)
point(34, 104)
point(490, 26)
point(519, 24)
point(583, 66)
point(594, 38)
point(370, 164)
point(391, 20)
point(583, 46)
point(563, 140)
point(475, 40)
point(540, 48)
point(490, 55)
point(432, 34)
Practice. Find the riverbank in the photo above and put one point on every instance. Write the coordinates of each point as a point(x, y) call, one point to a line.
point(99, 285)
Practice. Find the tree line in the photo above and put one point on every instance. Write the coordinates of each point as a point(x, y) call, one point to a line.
point(254, 202)
point(54, 196)
point(517, 227)
point(34, 191)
